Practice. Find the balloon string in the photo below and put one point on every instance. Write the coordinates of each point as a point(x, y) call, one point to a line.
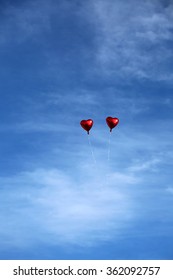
point(108, 162)
point(109, 147)
point(91, 148)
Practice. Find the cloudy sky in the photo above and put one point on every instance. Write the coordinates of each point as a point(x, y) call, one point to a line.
point(64, 61)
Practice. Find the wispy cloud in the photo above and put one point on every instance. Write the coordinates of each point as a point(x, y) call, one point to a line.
point(84, 205)
point(149, 165)
point(134, 41)
point(170, 190)
point(27, 21)
point(52, 203)
point(126, 42)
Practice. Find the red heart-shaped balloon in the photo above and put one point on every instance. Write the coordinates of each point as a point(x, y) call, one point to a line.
point(112, 122)
point(87, 124)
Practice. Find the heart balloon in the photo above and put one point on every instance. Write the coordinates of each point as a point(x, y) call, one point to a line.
point(112, 122)
point(87, 124)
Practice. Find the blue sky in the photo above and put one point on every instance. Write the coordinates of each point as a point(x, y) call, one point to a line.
point(64, 61)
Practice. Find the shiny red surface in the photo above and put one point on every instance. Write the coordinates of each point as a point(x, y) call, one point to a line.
point(112, 122)
point(87, 124)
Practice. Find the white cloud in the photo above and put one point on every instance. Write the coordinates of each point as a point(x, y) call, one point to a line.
point(43, 203)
